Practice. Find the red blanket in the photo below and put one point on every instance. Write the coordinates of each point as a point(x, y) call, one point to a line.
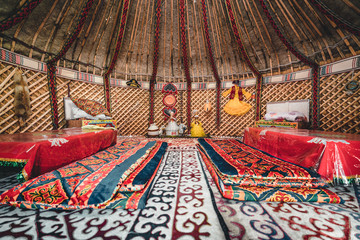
point(46, 151)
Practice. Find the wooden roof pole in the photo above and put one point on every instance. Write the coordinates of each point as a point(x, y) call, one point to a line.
point(219, 35)
point(63, 13)
point(171, 70)
point(139, 47)
point(260, 32)
point(339, 50)
point(51, 69)
point(155, 60)
point(164, 53)
point(268, 36)
point(126, 4)
point(84, 40)
point(204, 66)
point(183, 33)
point(113, 32)
point(20, 15)
point(218, 38)
point(342, 23)
point(152, 6)
point(212, 63)
point(98, 36)
point(41, 26)
point(350, 4)
point(308, 20)
point(143, 39)
point(225, 37)
point(247, 59)
point(250, 49)
point(302, 58)
point(197, 48)
point(130, 50)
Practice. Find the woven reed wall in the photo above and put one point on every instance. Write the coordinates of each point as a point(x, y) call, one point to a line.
point(230, 125)
point(40, 119)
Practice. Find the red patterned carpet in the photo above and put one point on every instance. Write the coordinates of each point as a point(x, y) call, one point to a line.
point(184, 202)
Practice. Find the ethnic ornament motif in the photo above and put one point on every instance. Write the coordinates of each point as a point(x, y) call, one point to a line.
point(50, 193)
point(166, 111)
point(169, 100)
point(184, 201)
point(170, 88)
point(247, 174)
point(91, 107)
point(119, 177)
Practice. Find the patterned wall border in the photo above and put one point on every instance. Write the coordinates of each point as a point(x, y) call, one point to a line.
point(344, 65)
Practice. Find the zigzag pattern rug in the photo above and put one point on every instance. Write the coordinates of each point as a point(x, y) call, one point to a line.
point(185, 202)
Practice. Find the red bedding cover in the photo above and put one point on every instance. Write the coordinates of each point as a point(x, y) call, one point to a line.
point(335, 156)
point(42, 152)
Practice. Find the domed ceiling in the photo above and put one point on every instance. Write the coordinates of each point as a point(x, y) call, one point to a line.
point(43, 33)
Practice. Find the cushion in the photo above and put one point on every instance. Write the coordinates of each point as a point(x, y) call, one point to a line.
point(91, 107)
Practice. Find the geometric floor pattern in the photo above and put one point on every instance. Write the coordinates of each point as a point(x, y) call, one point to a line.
point(184, 203)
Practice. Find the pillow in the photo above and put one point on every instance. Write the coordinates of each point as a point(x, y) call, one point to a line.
point(78, 113)
point(91, 107)
point(296, 116)
point(293, 116)
point(274, 116)
point(102, 117)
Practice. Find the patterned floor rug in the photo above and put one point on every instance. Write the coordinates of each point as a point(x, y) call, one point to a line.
point(184, 203)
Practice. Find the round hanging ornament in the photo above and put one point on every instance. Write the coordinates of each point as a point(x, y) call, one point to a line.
point(169, 100)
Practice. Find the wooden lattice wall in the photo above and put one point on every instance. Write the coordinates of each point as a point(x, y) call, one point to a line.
point(340, 111)
point(40, 118)
point(285, 92)
point(76, 89)
point(230, 125)
point(130, 108)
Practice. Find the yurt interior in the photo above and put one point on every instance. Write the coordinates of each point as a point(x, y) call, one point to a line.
point(180, 119)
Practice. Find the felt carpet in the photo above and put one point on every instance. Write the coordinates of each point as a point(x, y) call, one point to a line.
point(244, 173)
point(184, 202)
point(120, 176)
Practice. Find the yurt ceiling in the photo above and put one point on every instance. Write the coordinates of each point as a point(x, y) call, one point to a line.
point(43, 33)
